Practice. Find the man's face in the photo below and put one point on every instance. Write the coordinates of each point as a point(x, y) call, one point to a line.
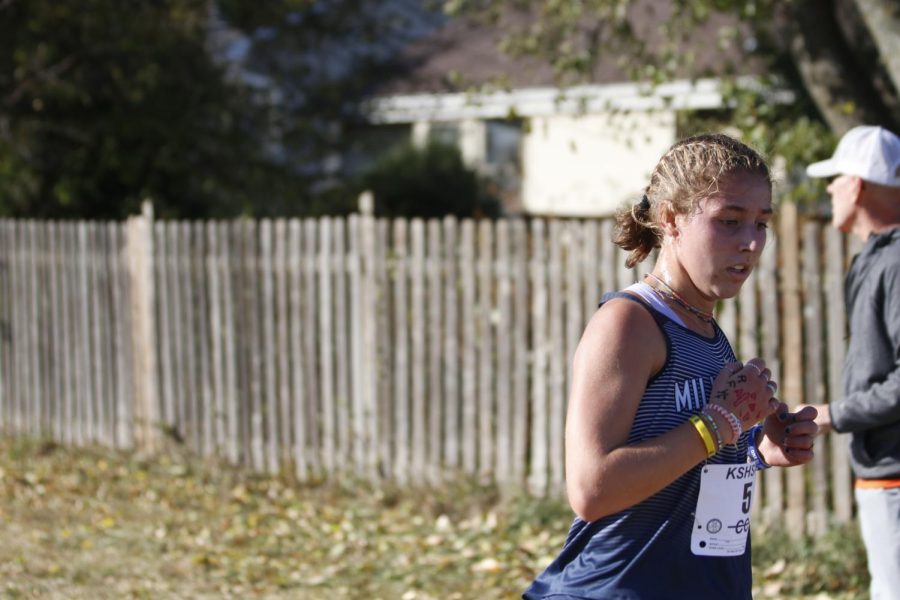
point(844, 190)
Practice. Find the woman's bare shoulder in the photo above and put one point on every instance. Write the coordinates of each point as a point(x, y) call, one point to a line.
point(623, 315)
point(623, 328)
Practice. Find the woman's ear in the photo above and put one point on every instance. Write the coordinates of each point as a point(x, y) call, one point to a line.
point(666, 218)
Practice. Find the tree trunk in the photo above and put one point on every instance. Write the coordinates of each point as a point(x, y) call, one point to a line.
point(880, 19)
point(841, 90)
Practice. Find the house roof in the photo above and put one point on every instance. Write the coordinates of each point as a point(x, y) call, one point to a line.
point(463, 54)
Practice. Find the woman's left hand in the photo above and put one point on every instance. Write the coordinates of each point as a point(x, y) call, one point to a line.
point(788, 437)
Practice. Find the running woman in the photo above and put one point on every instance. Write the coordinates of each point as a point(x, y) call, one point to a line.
point(665, 428)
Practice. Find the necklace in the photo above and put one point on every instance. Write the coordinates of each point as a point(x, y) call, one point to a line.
point(671, 294)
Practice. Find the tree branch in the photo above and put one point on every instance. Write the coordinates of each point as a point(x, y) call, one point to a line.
point(49, 74)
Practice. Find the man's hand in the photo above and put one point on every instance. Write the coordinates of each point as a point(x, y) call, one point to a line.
point(823, 419)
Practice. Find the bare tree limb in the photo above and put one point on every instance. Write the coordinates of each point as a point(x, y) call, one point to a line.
point(48, 74)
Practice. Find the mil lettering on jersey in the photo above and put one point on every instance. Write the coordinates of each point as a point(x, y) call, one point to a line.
point(690, 394)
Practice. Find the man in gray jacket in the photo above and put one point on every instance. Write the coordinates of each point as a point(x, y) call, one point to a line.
point(865, 200)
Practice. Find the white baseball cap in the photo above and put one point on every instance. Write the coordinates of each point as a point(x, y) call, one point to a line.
point(872, 153)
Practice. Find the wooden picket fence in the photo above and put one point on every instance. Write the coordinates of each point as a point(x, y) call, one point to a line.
point(399, 349)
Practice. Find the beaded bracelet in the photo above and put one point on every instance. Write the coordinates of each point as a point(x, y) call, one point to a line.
point(702, 429)
point(714, 427)
point(753, 455)
point(736, 428)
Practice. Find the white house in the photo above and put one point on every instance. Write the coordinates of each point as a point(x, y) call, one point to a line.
point(575, 152)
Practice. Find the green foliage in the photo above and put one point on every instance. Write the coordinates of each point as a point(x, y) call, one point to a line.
point(427, 182)
point(785, 134)
point(104, 103)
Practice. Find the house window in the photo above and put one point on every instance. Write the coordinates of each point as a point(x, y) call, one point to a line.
point(444, 133)
point(504, 143)
point(503, 161)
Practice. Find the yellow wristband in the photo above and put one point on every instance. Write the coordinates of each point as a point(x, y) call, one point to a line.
point(703, 429)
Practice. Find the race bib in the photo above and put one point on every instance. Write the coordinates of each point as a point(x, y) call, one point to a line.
point(722, 517)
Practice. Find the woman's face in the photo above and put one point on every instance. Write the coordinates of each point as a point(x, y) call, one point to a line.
point(716, 248)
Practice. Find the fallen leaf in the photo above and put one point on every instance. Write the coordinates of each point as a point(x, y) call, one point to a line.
point(487, 565)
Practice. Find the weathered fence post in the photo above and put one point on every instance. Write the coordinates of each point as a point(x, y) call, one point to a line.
point(139, 250)
point(370, 403)
point(836, 317)
point(792, 351)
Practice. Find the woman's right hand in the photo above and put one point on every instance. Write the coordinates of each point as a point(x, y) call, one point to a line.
point(747, 391)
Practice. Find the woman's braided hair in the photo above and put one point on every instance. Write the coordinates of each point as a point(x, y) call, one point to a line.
point(688, 172)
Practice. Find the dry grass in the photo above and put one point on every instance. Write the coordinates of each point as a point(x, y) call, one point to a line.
point(95, 523)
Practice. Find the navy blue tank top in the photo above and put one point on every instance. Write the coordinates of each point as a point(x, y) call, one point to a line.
point(644, 552)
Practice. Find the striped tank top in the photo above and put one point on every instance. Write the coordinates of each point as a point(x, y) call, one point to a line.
point(644, 552)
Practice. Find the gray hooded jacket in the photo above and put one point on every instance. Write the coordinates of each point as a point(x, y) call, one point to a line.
point(870, 408)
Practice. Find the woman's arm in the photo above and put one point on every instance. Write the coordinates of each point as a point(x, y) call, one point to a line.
point(622, 347)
